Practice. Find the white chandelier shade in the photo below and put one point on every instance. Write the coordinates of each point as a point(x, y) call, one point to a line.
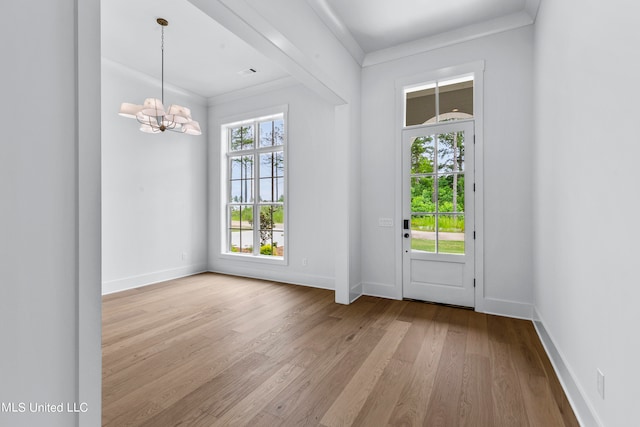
point(152, 116)
point(154, 119)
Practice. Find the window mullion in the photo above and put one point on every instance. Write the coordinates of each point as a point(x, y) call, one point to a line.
point(256, 189)
point(436, 187)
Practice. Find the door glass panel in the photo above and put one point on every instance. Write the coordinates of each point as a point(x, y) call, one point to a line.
point(451, 193)
point(423, 233)
point(422, 194)
point(423, 155)
point(451, 233)
point(437, 193)
point(451, 152)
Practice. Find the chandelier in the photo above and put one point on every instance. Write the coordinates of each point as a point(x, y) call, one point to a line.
point(152, 116)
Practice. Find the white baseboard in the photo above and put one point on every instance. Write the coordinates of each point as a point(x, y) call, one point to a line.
point(355, 292)
point(293, 278)
point(581, 408)
point(381, 290)
point(506, 308)
point(150, 278)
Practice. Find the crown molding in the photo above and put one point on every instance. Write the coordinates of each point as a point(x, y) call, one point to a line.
point(463, 34)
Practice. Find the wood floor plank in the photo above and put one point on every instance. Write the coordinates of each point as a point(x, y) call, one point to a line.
point(411, 408)
point(507, 395)
point(444, 401)
point(477, 336)
point(311, 395)
point(265, 419)
point(210, 349)
point(243, 411)
point(210, 400)
point(346, 407)
point(384, 396)
point(538, 402)
point(476, 402)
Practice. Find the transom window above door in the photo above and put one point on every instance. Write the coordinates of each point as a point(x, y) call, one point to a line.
point(439, 101)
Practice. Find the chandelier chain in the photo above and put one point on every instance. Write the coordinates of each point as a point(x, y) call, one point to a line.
point(162, 67)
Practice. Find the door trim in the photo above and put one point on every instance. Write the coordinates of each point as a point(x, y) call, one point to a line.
point(477, 68)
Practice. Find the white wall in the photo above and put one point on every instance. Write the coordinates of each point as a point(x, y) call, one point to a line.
point(310, 195)
point(154, 187)
point(507, 166)
point(43, 209)
point(318, 51)
point(290, 33)
point(586, 200)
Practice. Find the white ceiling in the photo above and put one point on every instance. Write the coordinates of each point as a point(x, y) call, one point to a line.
point(377, 25)
point(204, 57)
point(200, 54)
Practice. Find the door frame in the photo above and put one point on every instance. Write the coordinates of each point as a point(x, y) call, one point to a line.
point(401, 84)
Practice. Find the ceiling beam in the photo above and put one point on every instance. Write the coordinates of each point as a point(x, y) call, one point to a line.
point(326, 13)
point(246, 23)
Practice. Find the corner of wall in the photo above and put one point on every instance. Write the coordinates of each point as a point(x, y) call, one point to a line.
point(581, 408)
point(506, 308)
point(355, 292)
point(125, 283)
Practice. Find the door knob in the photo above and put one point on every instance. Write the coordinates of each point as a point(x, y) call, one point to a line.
point(406, 235)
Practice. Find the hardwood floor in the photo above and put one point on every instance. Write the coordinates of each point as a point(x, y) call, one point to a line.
point(211, 350)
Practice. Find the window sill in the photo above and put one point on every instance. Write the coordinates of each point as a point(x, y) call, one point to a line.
point(255, 258)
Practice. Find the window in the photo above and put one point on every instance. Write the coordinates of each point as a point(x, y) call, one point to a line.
point(439, 101)
point(255, 191)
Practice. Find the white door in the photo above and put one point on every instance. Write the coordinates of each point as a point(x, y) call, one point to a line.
point(438, 215)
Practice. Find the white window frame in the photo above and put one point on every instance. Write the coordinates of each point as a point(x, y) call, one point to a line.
point(253, 119)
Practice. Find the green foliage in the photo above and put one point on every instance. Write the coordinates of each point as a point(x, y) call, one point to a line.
point(268, 249)
point(278, 214)
point(247, 214)
point(266, 226)
point(241, 138)
point(269, 217)
point(422, 155)
point(450, 155)
point(422, 193)
point(445, 246)
point(446, 223)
